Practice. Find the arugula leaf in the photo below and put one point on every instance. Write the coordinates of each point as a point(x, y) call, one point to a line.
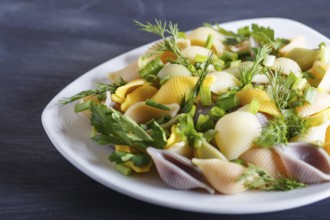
point(115, 128)
point(100, 90)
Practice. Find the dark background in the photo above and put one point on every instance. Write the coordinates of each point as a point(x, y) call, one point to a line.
point(46, 44)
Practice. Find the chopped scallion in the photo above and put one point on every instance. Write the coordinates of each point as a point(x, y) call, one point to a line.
point(82, 106)
point(149, 72)
point(123, 169)
point(154, 104)
point(209, 41)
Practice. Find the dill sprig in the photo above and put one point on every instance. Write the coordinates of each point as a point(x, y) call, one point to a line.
point(168, 43)
point(100, 90)
point(256, 178)
point(247, 72)
point(282, 128)
point(188, 102)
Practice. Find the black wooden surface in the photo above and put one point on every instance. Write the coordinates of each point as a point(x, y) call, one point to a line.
point(46, 44)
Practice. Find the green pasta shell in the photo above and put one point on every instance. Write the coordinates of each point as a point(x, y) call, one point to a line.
point(304, 57)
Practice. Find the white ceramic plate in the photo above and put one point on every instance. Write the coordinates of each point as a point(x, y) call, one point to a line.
point(69, 132)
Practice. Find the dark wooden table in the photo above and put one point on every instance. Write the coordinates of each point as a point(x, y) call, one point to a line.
point(46, 44)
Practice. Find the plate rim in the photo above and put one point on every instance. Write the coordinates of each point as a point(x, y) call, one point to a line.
point(152, 200)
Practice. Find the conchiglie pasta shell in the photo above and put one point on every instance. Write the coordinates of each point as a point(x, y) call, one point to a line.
point(222, 175)
point(304, 57)
point(320, 117)
point(175, 89)
point(199, 35)
point(265, 159)
point(208, 151)
point(299, 41)
point(183, 43)
point(266, 105)
point(320, 102)
point(170, 70)
point(286, 66)
point(325, 82)
point(142, 113)
point(223, 82)
point(140, 94)
point(236, 132)
point(128, 73)
point(236, 70)
point(122, 91)
point(191, 52)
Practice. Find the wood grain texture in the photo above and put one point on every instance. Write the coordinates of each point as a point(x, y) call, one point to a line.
point(46, 44)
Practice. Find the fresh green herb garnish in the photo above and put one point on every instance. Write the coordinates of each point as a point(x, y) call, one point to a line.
point(114, 128)
point(256, 178)
point(100, 91)
point(120, 157)
point(282, 128)
point(188, 102)
point(154, 104)
point(247, 72)
point(169, 43)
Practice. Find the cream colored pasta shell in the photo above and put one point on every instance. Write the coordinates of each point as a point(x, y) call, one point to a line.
point(175, 89)
point(170, 70)
point(142, 113)
point(266, 104)
point(223, 82)
point(128, 73)
point(260, 79)
point(183, 43)
point(191, 52)
point(286, 66)
point(140, 94)
point(222, 175)
point(304, 57)
point(181, 148)
point(208, 151)
point(265, 159)
point(199, 35)
point(236, 133)
point(325, 82)
point(320, 102)
point(315, 135)
point(298, 41)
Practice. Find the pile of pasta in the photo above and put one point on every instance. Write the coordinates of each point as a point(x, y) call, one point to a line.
point(216, 144)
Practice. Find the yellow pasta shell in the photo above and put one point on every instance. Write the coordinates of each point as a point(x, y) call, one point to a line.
point(140, 94)
point(325, 82)
point(128, 73)
point(236, 133)
point(175, 89)
point(142, 113)
point(320, 117)
point(320, 102)
point(304, 57)
point(207, 151)
point(267, 105)
point(222, 175)
point(122, 91)
point(265, 159)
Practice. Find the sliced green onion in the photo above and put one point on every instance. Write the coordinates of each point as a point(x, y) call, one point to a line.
point(200, 58)
point(209, 41)
point(218, 64)
point(228, 56)
point(182, 35)
point(254, 106)
point(154, 104)
point(216, 112)
point(269, 60)
point(235, 63)
point(299, 84)
point(290, 80)
point(149, 72)
point(205, 93)
point(204, 123)
point(209, 134)
point(80, 107)
point(325, 53)
point(164, 80)
point(124, 169)
point(228, 103)
point(310, 94)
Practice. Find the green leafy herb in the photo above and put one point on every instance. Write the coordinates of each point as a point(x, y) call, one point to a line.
point(154, 104)
point(188, 102)
point(114, 128)
point(282, 128)
point(247, 72)
point(161, 29)
point(186, 129)
point(100, 91)
point(256, 178)
point(120, 157)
